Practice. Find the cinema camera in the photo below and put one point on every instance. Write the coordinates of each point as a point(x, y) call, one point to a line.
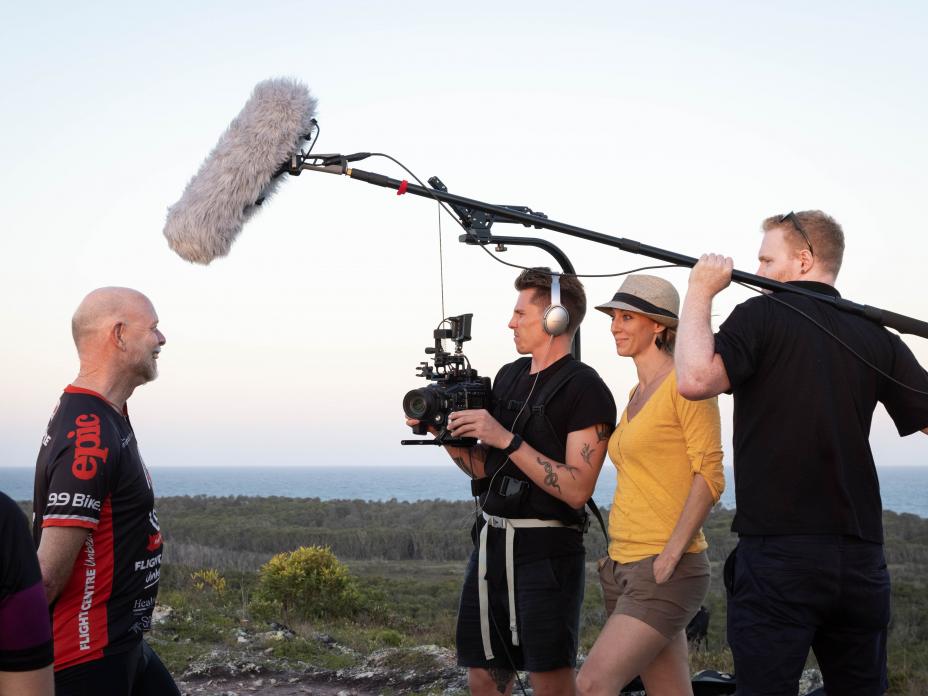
point(457, 387)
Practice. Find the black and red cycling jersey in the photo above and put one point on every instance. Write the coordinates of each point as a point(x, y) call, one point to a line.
point(89, 474)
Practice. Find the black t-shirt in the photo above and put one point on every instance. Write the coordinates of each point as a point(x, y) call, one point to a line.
point(25, 633)
point(803, 409)
point(583, 401)
point(89, 473)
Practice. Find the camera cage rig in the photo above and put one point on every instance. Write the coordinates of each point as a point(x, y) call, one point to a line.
point(478, 224)
point(449, 364)
point(448, 367)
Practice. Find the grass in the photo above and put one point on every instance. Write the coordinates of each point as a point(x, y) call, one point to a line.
point(415, 603)
point(410, 603)
point(311, 652)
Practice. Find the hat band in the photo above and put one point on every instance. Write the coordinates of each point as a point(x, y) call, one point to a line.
point(643, 305)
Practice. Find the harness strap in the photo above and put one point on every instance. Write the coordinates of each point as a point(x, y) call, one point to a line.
point(483, 590)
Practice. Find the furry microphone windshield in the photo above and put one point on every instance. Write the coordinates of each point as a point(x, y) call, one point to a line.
point(241, 171)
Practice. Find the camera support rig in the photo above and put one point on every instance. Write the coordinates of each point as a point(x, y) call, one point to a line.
point(447, 364)
point(457, 385)
point(478, 225)
point(338, 164)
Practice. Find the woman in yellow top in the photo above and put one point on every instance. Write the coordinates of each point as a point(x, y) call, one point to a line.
point(669, 458)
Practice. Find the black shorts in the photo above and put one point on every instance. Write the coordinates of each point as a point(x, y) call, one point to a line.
point(787, 594)
point(549, 594)
point(136, 672)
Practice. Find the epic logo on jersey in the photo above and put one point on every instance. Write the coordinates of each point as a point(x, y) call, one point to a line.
point(87, 447)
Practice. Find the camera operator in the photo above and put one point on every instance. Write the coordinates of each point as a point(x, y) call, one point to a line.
point(523, 589)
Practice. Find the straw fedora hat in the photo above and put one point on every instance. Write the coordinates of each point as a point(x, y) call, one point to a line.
point(648, 295)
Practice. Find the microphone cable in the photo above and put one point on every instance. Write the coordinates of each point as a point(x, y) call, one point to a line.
point(840, 341)
point(493, 256)
point(441, 266)
point(499, 634)
point(671, 265)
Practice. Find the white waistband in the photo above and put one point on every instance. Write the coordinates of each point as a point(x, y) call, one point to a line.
point(510, 524)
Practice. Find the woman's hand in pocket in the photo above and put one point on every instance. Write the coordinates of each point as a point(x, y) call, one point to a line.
point(664, 565)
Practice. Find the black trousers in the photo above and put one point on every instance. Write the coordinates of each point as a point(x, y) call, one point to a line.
point(137, 672)
point(787, 594)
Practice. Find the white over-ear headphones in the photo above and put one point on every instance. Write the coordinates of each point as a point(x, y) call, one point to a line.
point(556, 317)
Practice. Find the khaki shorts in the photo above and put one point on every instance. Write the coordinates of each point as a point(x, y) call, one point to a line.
point(629, 589)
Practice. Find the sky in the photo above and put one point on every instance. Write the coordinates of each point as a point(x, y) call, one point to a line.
point(680, 125)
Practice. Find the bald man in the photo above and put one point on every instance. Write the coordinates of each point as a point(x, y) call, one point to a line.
point(99, 543)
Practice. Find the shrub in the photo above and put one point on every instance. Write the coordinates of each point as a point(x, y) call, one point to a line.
point(209, 577)
point(387, 636)
point(308, 583)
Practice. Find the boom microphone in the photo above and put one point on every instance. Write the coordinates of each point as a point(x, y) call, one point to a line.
point(242, 170)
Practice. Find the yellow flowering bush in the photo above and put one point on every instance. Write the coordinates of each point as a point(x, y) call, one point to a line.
point(209, 577)
point(309, 582)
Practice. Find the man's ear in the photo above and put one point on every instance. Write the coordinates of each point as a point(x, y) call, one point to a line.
point(118, 335)
point(806, 261)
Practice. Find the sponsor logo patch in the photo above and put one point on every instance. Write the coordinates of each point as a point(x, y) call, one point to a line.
point(88, 455)
point(78, 500)
point(90, 581)
point(152, 562)
point(143, 606)
point(152, 578)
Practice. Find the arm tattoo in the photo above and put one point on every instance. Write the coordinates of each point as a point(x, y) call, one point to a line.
point(603, 432)
point(551, 477)
point(570, 469)
point(587, 453)
point(463, 467)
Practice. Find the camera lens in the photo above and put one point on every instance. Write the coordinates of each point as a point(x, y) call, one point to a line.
point(420, 404)
point(417, 406)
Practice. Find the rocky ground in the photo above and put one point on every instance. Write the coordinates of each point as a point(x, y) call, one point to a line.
point(253, 668)
point(421, 670)
point(392, 672)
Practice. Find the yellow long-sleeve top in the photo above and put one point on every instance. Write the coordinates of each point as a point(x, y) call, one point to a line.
point(657, 454)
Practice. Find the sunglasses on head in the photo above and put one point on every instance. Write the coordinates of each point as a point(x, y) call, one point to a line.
point(791, 216)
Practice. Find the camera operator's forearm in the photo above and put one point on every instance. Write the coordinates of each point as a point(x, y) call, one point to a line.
point(572, 481)
point(470, 460)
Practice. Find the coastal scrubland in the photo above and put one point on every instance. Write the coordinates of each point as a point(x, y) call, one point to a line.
point(405, 563)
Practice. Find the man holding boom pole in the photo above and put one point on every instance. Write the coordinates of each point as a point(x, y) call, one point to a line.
point(809, 570)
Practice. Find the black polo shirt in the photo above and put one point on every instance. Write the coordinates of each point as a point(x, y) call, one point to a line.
point(803, 408)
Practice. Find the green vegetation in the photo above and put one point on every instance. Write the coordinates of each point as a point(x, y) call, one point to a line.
point(399, 567)
point(308, 583)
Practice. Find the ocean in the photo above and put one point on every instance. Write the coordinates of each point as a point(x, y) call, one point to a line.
point(904, 488)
